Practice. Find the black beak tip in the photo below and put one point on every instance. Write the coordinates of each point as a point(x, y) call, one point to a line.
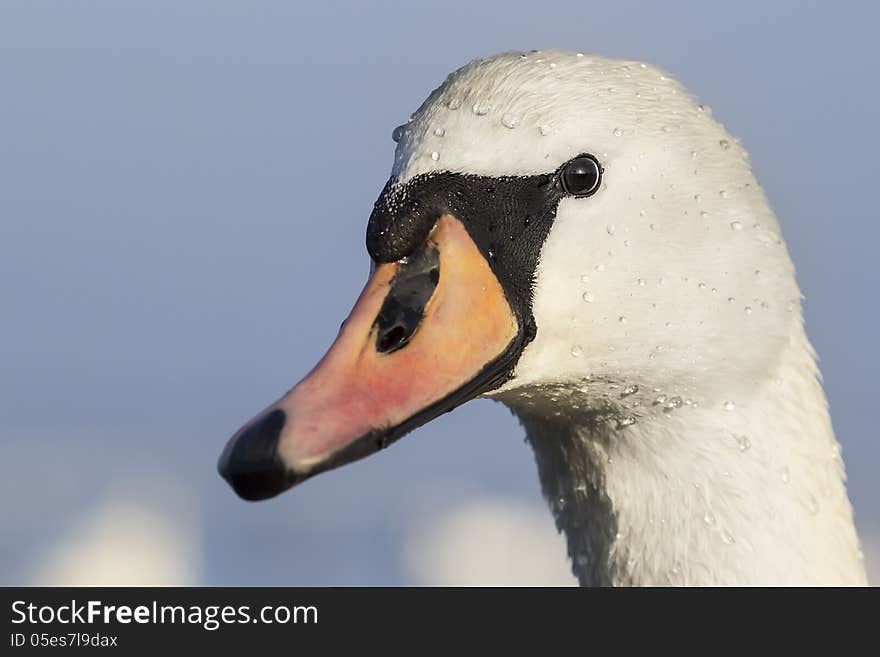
point(250, 462)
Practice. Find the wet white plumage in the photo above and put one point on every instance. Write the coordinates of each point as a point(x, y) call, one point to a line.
point(671, 395)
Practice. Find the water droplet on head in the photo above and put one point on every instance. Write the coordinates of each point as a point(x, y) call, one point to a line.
point(709, 518)
point(748, 310)
point(481, 108)
point(626, 421)
point(610, 229)
point(724, 144)
point(397, 133)
point(743, 443)
point(585, 278)
point(629, 390)
point(439, 132)
point(641, 282)
point(661, 399)
point(722, 194)
point(509, 120)
point(736, 225)
point(588, 297)
point(785, 475)
point(621, 319)
point(544, 130)
point(618, 132)
point(453, 104)
point(576, 351)
point(729, 406)
point(727, 537)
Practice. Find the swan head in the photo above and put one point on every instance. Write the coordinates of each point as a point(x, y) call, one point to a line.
point(554, 222)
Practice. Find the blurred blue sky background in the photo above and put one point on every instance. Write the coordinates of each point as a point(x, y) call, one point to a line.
point(184, 188)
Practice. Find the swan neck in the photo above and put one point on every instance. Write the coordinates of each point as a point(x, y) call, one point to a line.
point(708, 492)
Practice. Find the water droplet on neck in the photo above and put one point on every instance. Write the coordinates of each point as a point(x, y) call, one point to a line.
point(709, 518)
point(397, 133)
point(785, 475)
point(588, 297)
point(748, 310)
point(724, 144)
point(435, 156)
point(736, 225)
point(729, 406)
point(661, 399)
point(727, 537)
point(544, 130)
point(626, 421)
point(618, 132)
point(453, 104)
point(629, 390)
point(672, 404)
point(439, 132)
point(743, 443)
point(610, 229)
point(577, 351)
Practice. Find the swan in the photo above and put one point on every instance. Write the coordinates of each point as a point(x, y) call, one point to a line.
point(577, 238)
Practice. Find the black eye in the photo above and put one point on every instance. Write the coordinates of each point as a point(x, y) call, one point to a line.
point(581, 176)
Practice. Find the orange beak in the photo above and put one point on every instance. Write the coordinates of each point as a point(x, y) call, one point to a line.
point(427, 333)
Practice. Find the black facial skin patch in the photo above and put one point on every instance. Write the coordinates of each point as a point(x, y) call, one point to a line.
point(507, 217)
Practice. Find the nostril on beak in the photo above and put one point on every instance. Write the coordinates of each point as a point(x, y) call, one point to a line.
point(250, 462)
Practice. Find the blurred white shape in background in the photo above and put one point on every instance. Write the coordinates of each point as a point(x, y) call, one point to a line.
point(486, 542)
point(125, 541)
